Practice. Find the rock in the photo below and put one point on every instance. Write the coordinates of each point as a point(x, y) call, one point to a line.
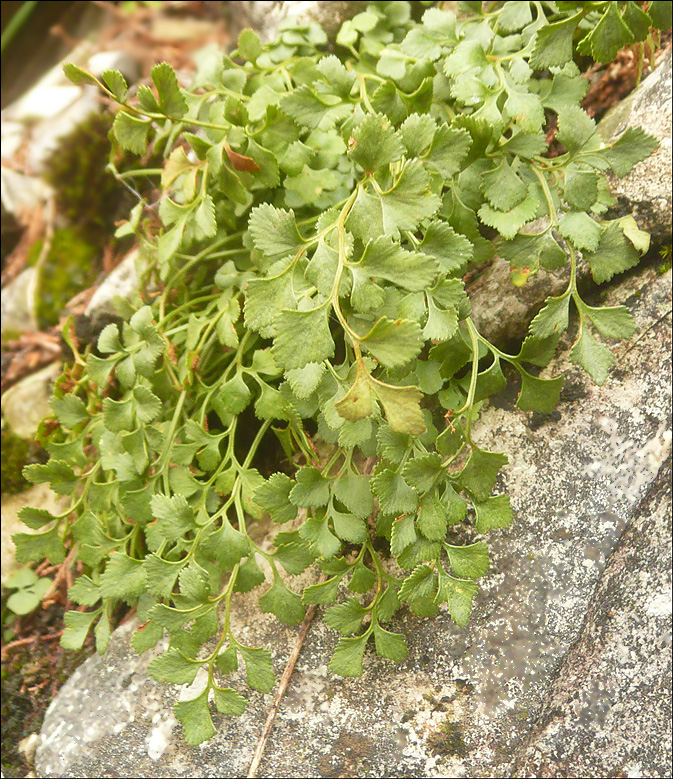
point(16, 305)
point(122, 282)
point(51, 109)
point(12, 137)
point(26, 404)
point(40, 496)
point(120, 60)
point(47, 135)
point(21, 193)
point(51, 95)
point(502, 311)
point(27, 747)
point(264, 17)
point(44, 101)
point(586, 487)
point(646, 191)
point(613, 686)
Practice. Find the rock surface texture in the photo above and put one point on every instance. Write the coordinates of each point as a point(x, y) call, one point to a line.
point(26, 404)
point(613, 686)
point(646, 192)
point(563, 671)
point(265, 17)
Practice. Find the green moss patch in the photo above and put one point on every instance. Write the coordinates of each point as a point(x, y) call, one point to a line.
point(448, 740)
point(16, 453)
point(68, 268)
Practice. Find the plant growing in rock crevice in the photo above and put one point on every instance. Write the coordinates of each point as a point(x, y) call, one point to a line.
point(318, 216)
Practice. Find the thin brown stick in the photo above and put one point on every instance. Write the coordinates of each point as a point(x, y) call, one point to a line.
point(50, 217)
point(646, 331)
point(280, 692)
point(128, 615)
point(52, 636)
point(62, 576)
point(18, 642)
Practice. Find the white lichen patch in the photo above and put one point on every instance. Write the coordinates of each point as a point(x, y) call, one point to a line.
point(660, 605)
point(627, 466)
point(160, 737)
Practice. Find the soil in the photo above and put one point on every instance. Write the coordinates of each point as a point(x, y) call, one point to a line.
point(32, 673)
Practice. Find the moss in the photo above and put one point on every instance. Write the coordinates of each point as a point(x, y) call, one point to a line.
point(520, 714)
point(10, 233)
point(87, 195)
point(465, 687)
point(664, 267)
point(68, 269)
point(16, 452)
point(448, 740)
point(349, 756)
point(329, 693)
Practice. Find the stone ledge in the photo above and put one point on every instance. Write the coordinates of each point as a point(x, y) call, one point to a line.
point(467, 701)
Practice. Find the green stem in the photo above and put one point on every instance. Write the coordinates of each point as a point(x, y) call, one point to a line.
point(572, 284)
point(182, 120)
point(226, 596)
point(16, 23)
point(139, 173)
point(331, 462)
point(363, 94)
point(467, 406)
point(334, 294)
point(553, 216)
point(256, 442)
point(168, 443)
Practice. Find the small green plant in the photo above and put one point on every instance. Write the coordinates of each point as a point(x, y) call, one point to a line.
point(30, 589)
point(318, 214)
point(665, 254)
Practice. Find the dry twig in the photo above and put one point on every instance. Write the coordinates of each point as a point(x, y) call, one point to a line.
point(282, 687)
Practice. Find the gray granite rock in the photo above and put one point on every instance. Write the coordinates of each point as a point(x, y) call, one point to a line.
point(121, 59)
point(26, 404)
point(20, 193)
point(542, 670)
point(121, 282)
point(646, 191)
point(502, 311)
point(264, 17)
point(16, 305)
point(608, 712)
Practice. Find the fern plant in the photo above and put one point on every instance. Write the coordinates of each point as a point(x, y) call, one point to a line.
point(317, 215)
